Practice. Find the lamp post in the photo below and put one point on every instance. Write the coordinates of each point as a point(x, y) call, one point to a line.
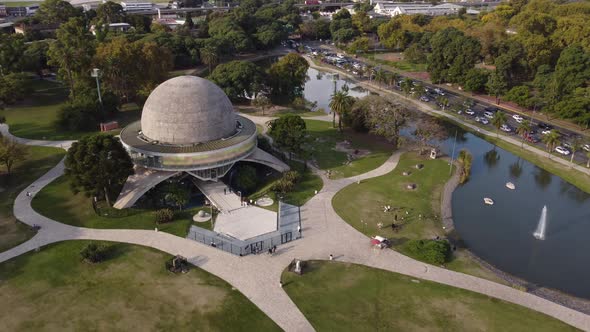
point(240, 193)
point(96, 74)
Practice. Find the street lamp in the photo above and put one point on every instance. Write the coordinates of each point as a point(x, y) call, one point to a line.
point(96, 74)
point(240, 193)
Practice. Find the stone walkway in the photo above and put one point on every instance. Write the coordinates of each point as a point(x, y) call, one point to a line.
point(257, 276)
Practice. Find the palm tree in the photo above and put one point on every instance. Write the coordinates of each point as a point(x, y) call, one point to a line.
point(407, 86)
point(209, 57)
point(341, 103)
point(369, 70)
point(393, 78)
point(551, 140)
point(419, 90)
point(575, 146)
point(588, 162)
point(380, 76)
point(443, 101)
point(523, 130)
point(498, 120)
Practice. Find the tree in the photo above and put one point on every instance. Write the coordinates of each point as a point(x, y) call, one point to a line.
point(163, 216)
point(443, 101)
point(430, 251)
point(287, 77)
point(523, 130)
point(315, 29)
point(11, 152)
point(453, 55)
point(13, 87)
point(465, 160)
point(94, 253)
point(498, 120)
point(189, 23)
point(209, 57)
point(340, 104)
point(414, 54)
point(519, 94)
point(386, 119)
point(110, 12)
point(72, 53)
point(246, 179)
point(360, 44)
point(238, 78)
point(177, 194)
point(428, 129)
point(289, 133)
point(475, 80)
point(551, 140)
point(572, 71)
point(57, 12)
point(132, 69)
point(262, 102)
point(576, 145)
point(12, 49)
point(496, 86)
point(407, 86)
point(98, 165)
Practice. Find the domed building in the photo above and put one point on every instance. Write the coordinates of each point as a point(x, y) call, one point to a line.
point(188, 125)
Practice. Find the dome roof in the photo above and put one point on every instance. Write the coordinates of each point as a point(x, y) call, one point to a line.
point(187, 110)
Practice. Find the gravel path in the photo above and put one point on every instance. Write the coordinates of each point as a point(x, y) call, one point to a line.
point(258, 276)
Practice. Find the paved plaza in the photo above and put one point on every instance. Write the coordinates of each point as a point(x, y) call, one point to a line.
point(258, 276)
point(246, 222)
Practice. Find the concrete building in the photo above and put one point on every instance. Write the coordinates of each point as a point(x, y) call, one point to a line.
point(188, 125)
point(130, 6)
point(120, 27)
point(3, 12)
point(393, 9)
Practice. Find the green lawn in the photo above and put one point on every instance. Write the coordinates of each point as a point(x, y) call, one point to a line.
point(303, 191)
point(365, 201)
point(345, 297)
point(401, 65)
point(323, 142)
point(131, 291)
point(57, 202)
point(35, 117)
point(38, 161)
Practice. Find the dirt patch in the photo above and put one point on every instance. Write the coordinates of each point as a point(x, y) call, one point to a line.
point(391, 56)
point(353, 153)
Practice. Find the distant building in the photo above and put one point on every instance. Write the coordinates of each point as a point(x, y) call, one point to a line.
point(3, 12)
point(31, 10)
point(7, 27)
point(130, 6)
point(121, 27)
point(393, 9)
point(16, 11)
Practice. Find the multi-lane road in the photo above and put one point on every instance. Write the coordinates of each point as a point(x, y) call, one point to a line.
point(478, 107)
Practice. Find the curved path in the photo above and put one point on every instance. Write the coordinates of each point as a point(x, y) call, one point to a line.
point(257, 276)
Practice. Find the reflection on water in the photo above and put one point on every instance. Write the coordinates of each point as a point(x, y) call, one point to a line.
point(502, 233)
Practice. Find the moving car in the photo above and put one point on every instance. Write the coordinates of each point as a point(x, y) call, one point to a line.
point(562, 150)
point(544, 126)
point(439, 91)
point(545, 131)
point(532, 139)
point(424, 99)
point(505, 128)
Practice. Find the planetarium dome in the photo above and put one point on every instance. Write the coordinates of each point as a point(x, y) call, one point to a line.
point(187, 110)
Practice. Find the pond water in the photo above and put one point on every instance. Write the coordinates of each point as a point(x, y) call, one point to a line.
point(502, 233)
point(320, 86)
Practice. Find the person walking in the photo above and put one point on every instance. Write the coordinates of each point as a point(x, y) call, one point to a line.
point(281, 283)
point(331, 257)
point(225, 191)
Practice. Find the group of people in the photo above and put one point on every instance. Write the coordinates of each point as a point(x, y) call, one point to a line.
point(272, 250)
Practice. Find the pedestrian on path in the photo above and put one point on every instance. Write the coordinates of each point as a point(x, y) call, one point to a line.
point(331, 257)
point(280, 284)
point(225, 191)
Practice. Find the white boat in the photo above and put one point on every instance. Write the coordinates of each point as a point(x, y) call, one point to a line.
point(510, 185)
point(488, 201)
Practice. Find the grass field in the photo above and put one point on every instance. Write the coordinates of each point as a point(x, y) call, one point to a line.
point(361, 205)
point(303, 191)
point(381, 58)
point(35, 117)
point(57, 202)
point(345, 297)
point(131, 291)
point(38, 161)
point(323, 142)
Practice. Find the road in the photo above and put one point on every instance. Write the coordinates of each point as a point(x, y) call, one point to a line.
point(479, 107)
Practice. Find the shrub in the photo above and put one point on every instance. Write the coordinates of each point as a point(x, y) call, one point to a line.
point(94, 253)
point(434, 252)
point(164, 216)
point(287, 182)
point(2, 119)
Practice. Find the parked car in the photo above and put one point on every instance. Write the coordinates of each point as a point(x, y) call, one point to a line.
point(424, 99)
point(485, 121)
point(567, 145)
point(544, 126)
point(469, 111)
point(586, 147)
point(505, 128)
point(488, 114)
point(439, 91)
point(518, 118)
point(562, 150)
point(532, 139)
point(477, 119)
point(546, 131)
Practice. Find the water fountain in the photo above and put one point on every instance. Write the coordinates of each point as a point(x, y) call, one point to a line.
point(539, 233)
